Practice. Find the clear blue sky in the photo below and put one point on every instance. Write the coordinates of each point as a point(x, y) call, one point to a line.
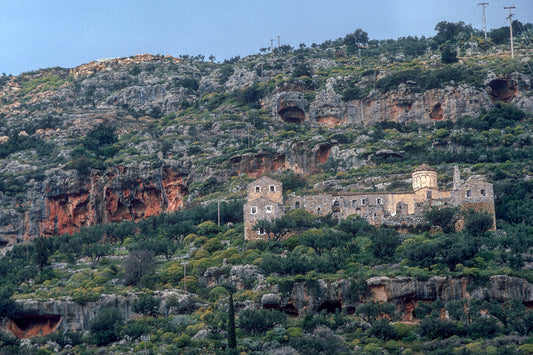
point(38, 34)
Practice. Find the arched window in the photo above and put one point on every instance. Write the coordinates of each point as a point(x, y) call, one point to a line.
point(297, 204)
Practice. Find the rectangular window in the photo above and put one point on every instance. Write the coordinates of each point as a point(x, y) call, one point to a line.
point(257, 189)
point(483, 193)
point(364, 201)
point(254, 209)
point(468, 193)
point(379, 201)
point(268, 209)
point(354, 202)
point(261, 231)
point(272, 188)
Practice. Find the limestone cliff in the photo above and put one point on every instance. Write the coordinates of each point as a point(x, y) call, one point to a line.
point(311, 296)
point(42, 318)
point(182, 122)
point(404, 292)
point(66, 202)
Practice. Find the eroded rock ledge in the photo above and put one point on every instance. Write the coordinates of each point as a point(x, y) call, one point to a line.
point(302, 297)
point(44, 317)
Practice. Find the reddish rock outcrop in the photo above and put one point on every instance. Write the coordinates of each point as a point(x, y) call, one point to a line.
point(66, 205)
point(404, 292)
point(44, 317)
point(299, 157)
point(31, 325)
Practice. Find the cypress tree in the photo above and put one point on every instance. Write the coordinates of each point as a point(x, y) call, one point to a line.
point(232, 338)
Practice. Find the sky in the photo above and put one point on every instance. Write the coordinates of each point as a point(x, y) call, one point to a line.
point(37, 34)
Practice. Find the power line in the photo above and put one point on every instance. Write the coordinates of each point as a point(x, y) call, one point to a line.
point(511, 27)
point(484, 19)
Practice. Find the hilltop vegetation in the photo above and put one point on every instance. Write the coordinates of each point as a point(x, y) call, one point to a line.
point(196, 132)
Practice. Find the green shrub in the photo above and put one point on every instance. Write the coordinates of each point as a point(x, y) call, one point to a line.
point(353, 93)
point(147, 305)
point(105, 327)
point(257, 322)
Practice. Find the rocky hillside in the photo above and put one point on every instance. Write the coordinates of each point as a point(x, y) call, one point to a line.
point(93, 156)
point(128, 138)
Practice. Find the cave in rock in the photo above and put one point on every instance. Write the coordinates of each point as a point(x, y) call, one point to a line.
point(290, 310)
point(501, 90)
point(322, 153)
point(350, 310)
point(27, 326)
point(330, 306)
point(436, 112)
point(292, 114)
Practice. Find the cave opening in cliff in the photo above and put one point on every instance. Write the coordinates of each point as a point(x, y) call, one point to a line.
point(501, 90)
point(330, 306)
point(29, 325)
point(350, 310)
point(292, 114)
point(322, 153)
point(289, 309)
point(436, 112)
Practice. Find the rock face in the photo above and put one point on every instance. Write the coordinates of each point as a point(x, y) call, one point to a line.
point(312, 296)
point(143, 94)
point(67, 204)
point(404, 292)
point(42, 318)
point(291, 107)
point(299, 157)
point(401, 105)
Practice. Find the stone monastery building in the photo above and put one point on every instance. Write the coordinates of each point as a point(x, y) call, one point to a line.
point(266, 201)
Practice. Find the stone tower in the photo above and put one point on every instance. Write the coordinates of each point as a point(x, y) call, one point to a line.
point(424, 177)
point(265, 202)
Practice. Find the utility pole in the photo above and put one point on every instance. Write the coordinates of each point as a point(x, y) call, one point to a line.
point(184, 263)
point(511, 27)
point(271, 44)
point(484, 19)
point(218, 212)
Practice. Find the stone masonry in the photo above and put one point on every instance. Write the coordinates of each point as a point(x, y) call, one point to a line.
point(266, 201)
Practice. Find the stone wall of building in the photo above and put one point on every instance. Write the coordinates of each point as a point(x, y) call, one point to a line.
point(392, 208)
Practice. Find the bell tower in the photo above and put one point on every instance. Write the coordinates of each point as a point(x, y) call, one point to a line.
point(424, 177)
